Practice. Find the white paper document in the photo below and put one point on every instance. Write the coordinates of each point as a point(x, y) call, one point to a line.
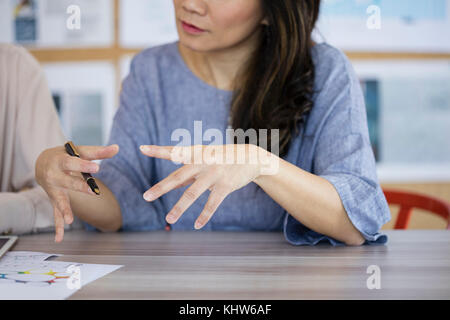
point(386, 25)
point(409, 117)
point(29, 276)
point(80, 88)
point(146, 23)
point(57, 23)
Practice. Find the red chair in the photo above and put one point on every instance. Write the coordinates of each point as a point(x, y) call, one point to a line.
point(408, 201)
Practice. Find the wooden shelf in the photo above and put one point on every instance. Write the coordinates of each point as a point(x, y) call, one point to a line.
point(116, 52)
point(396, 55)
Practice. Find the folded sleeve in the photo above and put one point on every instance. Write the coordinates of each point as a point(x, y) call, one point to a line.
point(129, 174)
point(342, 154)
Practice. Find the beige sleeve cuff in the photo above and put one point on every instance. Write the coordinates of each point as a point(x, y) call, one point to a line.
point(16, 214)
point(29, 211)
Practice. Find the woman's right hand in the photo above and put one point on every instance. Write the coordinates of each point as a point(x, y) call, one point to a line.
point(58, 173)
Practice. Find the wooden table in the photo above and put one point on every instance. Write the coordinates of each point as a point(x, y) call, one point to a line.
point(233, 265)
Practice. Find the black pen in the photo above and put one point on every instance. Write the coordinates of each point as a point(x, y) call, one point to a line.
point(70, 149)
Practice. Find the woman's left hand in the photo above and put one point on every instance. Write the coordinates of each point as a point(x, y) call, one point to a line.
point(213, 167)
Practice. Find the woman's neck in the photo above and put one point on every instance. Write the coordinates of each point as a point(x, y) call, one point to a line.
point(219, 68)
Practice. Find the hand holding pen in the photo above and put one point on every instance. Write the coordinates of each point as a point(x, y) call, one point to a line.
point(63, 169)
point(70, 149)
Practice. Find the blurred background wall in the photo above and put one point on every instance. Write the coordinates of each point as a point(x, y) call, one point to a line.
point(400, 50)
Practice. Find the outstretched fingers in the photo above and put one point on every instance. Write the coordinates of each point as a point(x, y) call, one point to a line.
point(215, 199)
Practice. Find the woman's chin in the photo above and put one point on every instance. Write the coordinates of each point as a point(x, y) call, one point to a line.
point(194, 44)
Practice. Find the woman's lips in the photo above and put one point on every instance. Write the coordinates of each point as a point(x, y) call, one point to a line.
point(191, 28)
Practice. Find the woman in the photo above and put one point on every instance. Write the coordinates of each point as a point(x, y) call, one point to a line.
point(247, 64)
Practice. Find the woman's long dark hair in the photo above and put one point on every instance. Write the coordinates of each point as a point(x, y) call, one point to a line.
point(275, 89)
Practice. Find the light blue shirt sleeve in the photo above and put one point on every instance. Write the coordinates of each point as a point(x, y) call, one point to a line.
point(129, 174)
point(342, 154)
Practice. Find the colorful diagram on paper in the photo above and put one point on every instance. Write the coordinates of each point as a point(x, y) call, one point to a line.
point(39, 277)
point(33, 275)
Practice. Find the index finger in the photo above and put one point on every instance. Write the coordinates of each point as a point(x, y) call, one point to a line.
point(97, 153)
point(68, 163)
point(183, 154)
point(62, 203)
point(59, 224)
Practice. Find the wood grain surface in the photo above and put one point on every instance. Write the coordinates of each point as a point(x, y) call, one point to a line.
point(239, 265)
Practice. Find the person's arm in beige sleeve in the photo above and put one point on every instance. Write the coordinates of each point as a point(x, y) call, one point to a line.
point(30, 124)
